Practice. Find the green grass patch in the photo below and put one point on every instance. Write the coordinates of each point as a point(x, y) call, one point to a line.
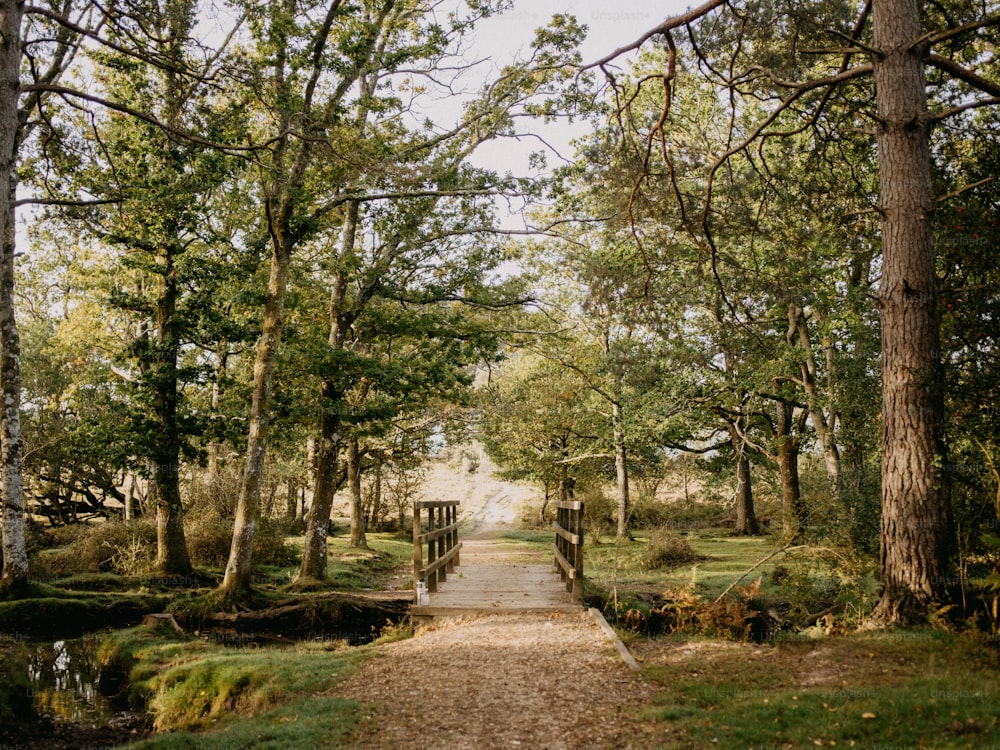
point(202, 694)
point(906, 689)
point(722, 559)
point(69, 614)
point(353, 569)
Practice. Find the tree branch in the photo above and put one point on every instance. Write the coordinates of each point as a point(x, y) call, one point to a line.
point(671, 23)
point(963, 74)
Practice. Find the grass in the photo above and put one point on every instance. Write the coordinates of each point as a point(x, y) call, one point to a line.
point(917, 689)
point(205, 695)
point(724, 558)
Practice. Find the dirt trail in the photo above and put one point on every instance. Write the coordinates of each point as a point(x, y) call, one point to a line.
point(489, 504)
point(502, 681)
point(541, 681)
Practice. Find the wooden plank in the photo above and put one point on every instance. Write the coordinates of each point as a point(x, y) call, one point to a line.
point(442, 561)
point(435, 504)
point(569, 504)
point(431, 536)
point(565, 564)
point(568, 536)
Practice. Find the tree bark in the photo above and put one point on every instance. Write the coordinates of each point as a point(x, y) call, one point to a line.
point(621, 472)
point(793, 512)
point(746, 516)
point(915, 514)
point(331, 429)
point(14, 576)
point(817, 418)
point(171, 547)
point(358, 538)
point(239, 568)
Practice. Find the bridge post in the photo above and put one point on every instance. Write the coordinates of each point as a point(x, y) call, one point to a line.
point(441, 538)
point(569, 546)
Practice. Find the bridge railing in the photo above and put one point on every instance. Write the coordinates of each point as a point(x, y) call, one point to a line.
point(440, 535)
point(569, 546)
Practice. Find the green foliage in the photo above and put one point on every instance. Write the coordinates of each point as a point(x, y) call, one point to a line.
point(209, 537)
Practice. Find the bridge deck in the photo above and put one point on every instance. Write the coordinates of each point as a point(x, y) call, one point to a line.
point(496, 576)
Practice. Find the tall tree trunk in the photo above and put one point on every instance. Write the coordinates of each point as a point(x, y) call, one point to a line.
point(746, 516)
point(358, 538)
point(129, 496)
point(215, 447)
point(331, 429)
point(793, 512)
point(14, 577)
point(621, 472)
point(171, 547)
point(239, 568)
point(915, 514)
point(822, 426)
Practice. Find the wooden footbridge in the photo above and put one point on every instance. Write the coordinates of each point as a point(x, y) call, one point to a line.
point(490, 574)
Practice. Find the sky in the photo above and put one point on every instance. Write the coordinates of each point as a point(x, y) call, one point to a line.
point(611, 24)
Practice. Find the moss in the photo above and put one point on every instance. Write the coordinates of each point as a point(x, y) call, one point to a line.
point(67, 616)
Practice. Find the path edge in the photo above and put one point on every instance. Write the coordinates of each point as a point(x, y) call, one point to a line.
point(613, 637)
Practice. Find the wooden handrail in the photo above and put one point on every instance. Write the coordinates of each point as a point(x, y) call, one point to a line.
point(441, 538)
point(569, 546)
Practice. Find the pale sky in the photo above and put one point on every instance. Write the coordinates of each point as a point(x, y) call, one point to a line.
point(611, 24)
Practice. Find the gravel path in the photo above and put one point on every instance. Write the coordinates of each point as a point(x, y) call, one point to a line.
point(545, 682)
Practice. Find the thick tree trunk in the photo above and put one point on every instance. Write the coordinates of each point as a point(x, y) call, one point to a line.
point(239, 568)
point(793, 511)
point(318, 519)
point(171, 547)
point(746, 516)
point(915, 514)
point(15, 559)
point(358, 538)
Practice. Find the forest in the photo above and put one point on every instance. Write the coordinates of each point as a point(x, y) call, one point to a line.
point(262, 269)
point(257, 262)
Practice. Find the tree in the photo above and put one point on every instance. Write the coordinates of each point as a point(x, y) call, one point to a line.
point(535, 427)
point(49, 53)
point(914, 530)
point(159, 191)
point(432, 242)
point(304, 73)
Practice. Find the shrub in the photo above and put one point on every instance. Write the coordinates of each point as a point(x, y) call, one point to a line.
point(600, 512)
point(209, 538)
point(667, 549)
point(106, 547)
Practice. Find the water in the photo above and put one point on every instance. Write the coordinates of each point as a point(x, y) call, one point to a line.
point(64, 679)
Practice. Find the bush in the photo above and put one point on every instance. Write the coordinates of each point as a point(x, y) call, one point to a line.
point(667, 549)
point(107, 547)
point(130, 549)
point(600, 512)
point(209, 538)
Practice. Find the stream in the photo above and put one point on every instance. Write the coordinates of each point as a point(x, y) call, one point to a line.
point(62, 681)
point(64, 678)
